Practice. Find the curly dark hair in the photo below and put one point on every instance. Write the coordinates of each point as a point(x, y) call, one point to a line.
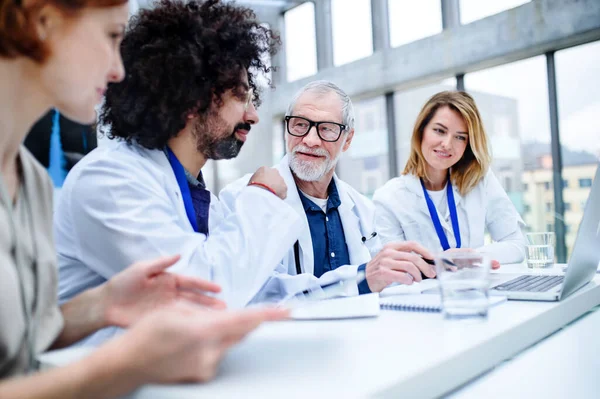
point(176, 57)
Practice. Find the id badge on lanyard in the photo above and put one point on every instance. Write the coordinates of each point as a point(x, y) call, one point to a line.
point(185, 189)
point(436, 220)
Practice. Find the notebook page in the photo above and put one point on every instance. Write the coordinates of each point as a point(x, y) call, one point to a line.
point(426, 303)
point(337, 308)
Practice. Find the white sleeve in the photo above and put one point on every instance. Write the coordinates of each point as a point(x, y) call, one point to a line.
point(504, 223)
point(120, 218)
point(387, 224)
point(281, 284)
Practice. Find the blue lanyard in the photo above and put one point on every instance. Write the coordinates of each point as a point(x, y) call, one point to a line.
point(185, 189)
point(436, 220)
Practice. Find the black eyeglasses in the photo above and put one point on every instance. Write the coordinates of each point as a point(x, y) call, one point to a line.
point(327, 131)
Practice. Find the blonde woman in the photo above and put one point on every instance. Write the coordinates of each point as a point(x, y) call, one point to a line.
point(447, 196)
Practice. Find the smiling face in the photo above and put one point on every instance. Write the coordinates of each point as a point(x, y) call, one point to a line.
point(445, 139)
point(84, 58)
point(311, 158)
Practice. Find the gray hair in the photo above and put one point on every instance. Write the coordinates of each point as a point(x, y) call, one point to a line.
point(325, 87)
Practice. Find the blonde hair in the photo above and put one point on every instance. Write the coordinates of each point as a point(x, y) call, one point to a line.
point(474, 164)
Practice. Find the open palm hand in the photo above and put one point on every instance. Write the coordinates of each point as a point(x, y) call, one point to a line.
point(146, 286)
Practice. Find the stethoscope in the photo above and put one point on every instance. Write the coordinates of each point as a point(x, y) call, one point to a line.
point(27, 312)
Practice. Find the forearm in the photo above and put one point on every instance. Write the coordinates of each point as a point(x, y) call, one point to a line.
point(83, 315)
point(243, 251)
point(505, 251)
point(104, 374)
point(507, 247)
point(281, 285)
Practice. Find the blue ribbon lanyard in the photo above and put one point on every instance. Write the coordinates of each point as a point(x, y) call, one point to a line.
point(436, 220)
point(185, 189)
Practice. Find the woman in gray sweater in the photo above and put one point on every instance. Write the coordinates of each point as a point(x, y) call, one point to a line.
point(63, 53)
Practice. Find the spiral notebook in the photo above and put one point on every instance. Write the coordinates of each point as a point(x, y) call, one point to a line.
point(422, 303)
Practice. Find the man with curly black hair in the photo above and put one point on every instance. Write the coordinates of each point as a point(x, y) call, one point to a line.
point(189, 95)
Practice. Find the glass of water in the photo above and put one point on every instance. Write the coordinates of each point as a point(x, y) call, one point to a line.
point(464, 280)
point(540, 250)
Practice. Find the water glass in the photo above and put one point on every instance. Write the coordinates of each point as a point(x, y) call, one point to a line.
point(540, 250)
point(464, 280)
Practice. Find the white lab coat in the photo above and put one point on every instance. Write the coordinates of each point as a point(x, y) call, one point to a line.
point(122, 204)
point(402, 214)
point(357, 216)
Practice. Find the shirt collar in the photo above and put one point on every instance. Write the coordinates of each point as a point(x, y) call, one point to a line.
point(333, 200)
point(195, 181)
point(191, 180)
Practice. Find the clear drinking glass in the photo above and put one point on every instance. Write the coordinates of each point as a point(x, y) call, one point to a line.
point(464, 284)
point(540, 250)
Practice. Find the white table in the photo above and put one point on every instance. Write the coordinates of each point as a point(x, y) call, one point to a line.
point(566, 364)
point(397, 354)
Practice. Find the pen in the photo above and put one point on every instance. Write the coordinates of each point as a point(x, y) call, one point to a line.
point(429, 262)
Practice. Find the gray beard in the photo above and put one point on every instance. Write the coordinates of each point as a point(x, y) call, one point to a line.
point(309, 171)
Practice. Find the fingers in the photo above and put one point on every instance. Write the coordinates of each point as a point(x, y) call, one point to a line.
point(239, 323)
point(398, 276)
point(458, 250)
point(204, 300)
point(397, 255)
point(194, 283)
point(158, 265)
point(275, 314)
point(495, 265)
point(410, 246)
point(400, 269)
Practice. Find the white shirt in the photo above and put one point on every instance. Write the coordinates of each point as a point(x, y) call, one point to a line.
point(401, 213)
point(440, 200)
point(320, 202)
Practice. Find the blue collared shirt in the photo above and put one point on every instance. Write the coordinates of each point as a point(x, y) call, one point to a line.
point(327, 233)
point(200, 199)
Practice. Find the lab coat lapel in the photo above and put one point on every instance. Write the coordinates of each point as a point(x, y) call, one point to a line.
point(353, 226)
point(293, 199)
point(413, 184)
point(174, 192)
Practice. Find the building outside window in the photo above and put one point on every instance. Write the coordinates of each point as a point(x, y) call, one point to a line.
point(577, 82)
point(513, 102)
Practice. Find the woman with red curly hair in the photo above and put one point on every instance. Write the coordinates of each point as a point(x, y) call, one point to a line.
point(63, 54)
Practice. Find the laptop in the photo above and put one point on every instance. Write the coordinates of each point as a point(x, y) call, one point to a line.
point(581, 268)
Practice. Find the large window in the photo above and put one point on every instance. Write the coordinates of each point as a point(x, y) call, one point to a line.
point(300, 41)
point(414, 20)
point(472, 10)
point(513, 102)
point(352, 33)
point(577, 83)
point(407, 105)
point(365, 165)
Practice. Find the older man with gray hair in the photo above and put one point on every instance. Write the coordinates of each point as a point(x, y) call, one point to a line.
point(339, 238)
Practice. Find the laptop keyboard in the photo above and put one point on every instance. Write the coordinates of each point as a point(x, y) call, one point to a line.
point(531, 283)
